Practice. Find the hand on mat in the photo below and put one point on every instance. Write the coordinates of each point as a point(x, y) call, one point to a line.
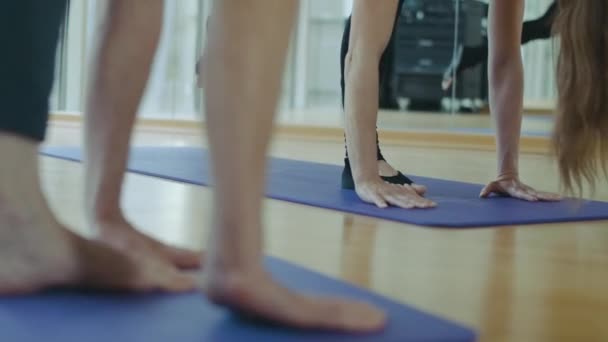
point(255, 295)
point(512, 186)
point(384, 194)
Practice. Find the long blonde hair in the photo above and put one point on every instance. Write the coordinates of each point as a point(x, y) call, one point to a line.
point(581, 134)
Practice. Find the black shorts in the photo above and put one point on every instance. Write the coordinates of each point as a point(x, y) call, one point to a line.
point(29, 33)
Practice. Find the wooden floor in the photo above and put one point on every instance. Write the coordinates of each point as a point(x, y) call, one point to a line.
point(520, 284)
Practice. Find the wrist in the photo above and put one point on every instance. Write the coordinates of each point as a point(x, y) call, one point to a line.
point(364, 179)
point(363, 175)
point(507, 175)
point(508, 166)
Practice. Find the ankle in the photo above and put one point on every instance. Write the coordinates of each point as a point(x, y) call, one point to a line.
point(104, 216)
point(19, 167)
point(231, 252)
point(71, 262)
point(224, 287)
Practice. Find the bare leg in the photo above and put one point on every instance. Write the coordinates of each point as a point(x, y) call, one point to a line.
point(241, 94)
point(127, 45)
point(36, 250)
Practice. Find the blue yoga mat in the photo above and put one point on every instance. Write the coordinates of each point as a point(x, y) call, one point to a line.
point(90, 317)
point(318, 185)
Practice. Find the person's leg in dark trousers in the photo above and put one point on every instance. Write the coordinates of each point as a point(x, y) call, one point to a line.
point(29, 34)
point(36, 250)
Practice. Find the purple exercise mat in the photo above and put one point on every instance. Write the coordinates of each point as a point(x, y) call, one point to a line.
point(96, 317)
point(318, 185)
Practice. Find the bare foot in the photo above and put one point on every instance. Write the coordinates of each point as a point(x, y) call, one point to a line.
point(255, 293)
point(120, 234)
point(37, 253)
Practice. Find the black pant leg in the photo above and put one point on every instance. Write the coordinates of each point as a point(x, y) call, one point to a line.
point(29, 33)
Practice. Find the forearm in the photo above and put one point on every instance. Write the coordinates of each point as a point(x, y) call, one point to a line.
point(371, 28)
point(506, 104)
point(361, 113)
point(506, 80)
point(120, 69)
